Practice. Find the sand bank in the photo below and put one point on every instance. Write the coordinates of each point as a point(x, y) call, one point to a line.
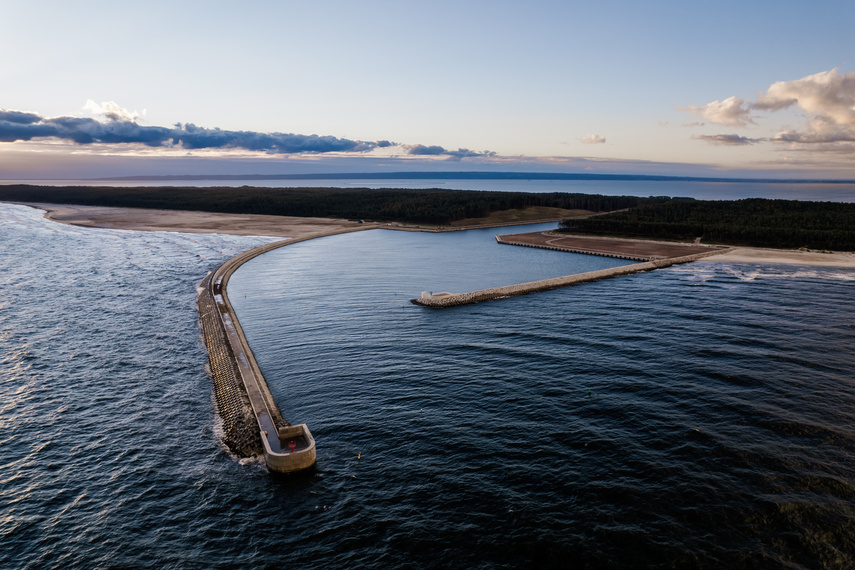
point(787, 257)
point(190, 222)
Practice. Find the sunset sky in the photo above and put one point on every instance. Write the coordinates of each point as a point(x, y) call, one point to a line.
point(95, 89)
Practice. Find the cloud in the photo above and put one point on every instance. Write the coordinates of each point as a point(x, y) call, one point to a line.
point(117, 129)
point(190, 136)
point(729, 140)
point(422, 150)
point(822, 136)
point(828, 97)
point(693, 124)
point(436, 150)
point(119, 126)
point(593, 139)
point(828, 94)
point(730, 112)
point(111, 111)
point(18, 117)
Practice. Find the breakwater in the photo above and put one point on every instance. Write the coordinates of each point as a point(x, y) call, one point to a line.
point(252, 422)
point(508, 240)
point(454, 299)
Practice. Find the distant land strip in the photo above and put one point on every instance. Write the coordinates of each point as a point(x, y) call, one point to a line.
point(415, 206)
point(754, 222)
point(476, 175)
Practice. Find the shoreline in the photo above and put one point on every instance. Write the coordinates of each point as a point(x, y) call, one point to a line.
point(843, 259)
point(297, 228)
point(188, 221)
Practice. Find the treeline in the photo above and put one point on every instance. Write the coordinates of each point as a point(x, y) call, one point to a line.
point(751, 222)
point(434, 206)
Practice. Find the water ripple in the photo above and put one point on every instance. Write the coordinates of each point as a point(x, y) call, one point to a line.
point(697, 416)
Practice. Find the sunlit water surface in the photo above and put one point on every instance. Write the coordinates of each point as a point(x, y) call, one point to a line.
point(700, 415)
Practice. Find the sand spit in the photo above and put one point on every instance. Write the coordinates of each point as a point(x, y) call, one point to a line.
point(191, 222)
point(788, 257)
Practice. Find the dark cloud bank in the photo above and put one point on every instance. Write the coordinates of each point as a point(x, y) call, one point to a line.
point(22, 126)
point(434, 150)
point(19, 126)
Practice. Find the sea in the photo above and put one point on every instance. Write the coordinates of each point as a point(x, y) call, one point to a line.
point(699, 416)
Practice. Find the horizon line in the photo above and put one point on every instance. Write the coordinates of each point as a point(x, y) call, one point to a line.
point(463, 175)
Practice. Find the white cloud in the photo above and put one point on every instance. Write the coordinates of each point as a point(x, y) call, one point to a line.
point(111, 111)
point(593, 139)
point(827, 94)
point(827, 97)
point(731, 112)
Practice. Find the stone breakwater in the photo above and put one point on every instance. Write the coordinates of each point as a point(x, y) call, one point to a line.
point(508, 240)
point(454, 299)
point(240, 431)
point(251, 421)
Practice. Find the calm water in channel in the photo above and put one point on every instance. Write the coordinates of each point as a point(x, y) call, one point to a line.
point(700, 415)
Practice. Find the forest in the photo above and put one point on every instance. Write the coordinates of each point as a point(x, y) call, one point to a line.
point(434, 206)
point(754, 222)
point(751, 222)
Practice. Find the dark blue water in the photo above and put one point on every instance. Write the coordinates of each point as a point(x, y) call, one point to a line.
point(108, 456)
point(698, 416)
point(695, 416)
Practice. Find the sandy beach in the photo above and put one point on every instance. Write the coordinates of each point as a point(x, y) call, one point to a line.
point(190, 221)
point(787, 257)
point(294, 227)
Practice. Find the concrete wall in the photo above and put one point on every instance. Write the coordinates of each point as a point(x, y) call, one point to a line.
point(506, 240)
point(252, 422)
point(554, 283)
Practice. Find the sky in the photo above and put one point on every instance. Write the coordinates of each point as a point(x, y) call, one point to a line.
point(757, 89)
